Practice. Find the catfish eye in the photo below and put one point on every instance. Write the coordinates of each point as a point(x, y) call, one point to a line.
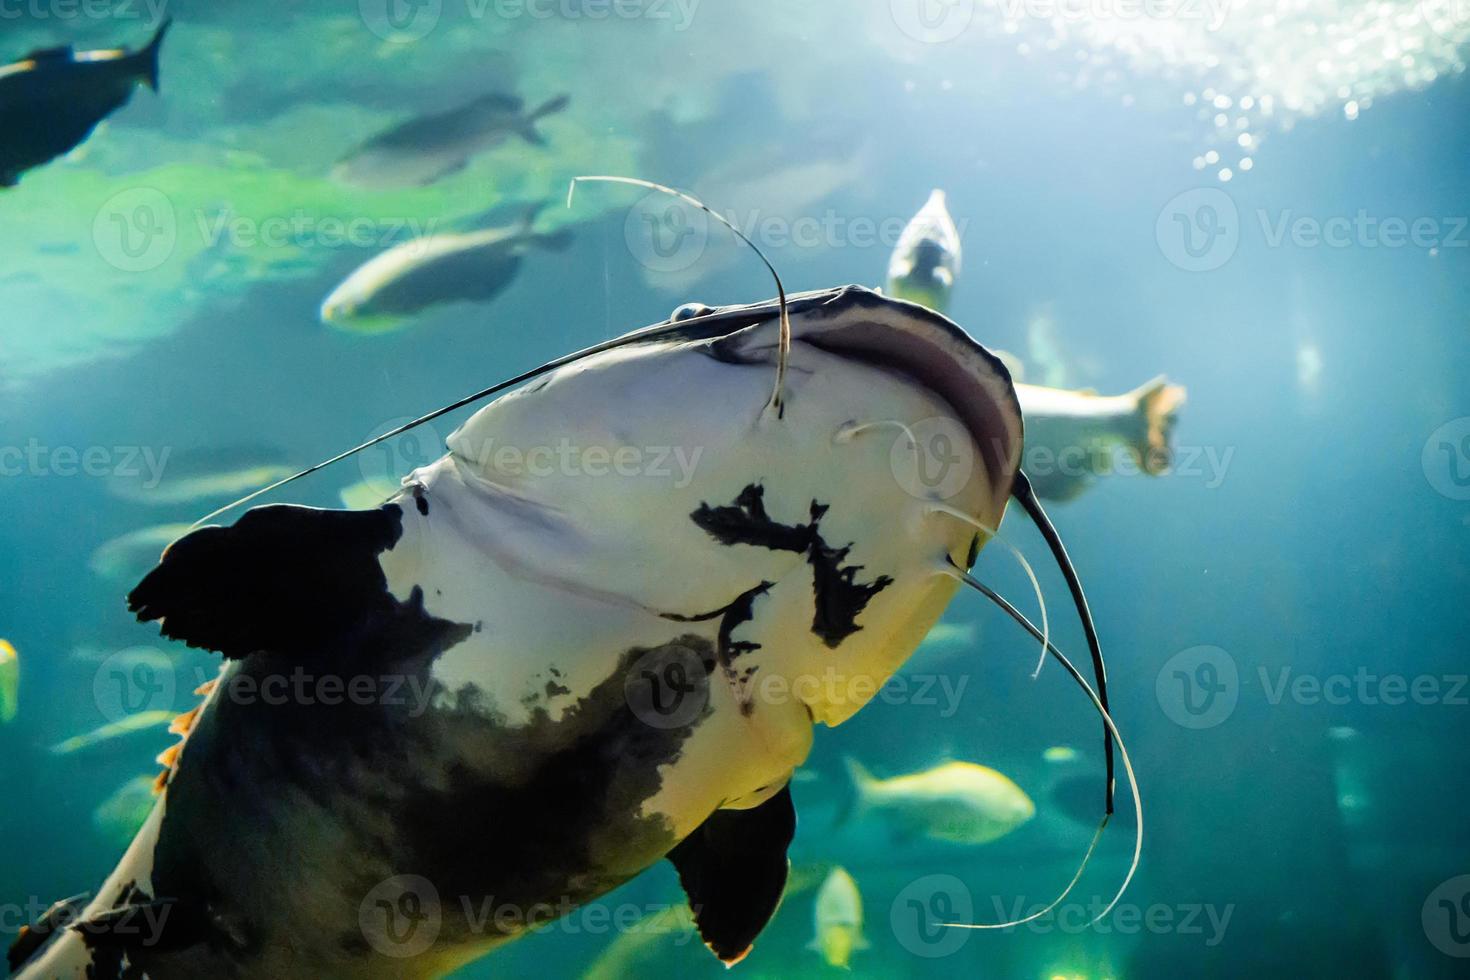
point(689, 311)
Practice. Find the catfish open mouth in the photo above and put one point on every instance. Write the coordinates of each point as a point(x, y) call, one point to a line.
point(898, 337)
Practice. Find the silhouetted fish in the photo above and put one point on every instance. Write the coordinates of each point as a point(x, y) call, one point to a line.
point(427, 148)
point(52, 99)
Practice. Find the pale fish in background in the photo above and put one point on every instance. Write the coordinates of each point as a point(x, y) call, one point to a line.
point(926, 262)
point(645, 943)
point(9, 682)
point(943, 643)
point(838, 920)
point(142, 721)
point(427, 148)
point(369, 493)
point(167, 479)
point(130, 555)
point(389, 290)
point(1059, 755)
point(959, 802)
point(153, 658)
point(1071, 436)
point(122, 814)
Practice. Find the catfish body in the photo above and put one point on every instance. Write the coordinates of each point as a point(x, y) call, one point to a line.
point(510, 688)
point(52, 99)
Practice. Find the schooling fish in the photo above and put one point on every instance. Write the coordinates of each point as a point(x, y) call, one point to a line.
point(1071, 436)
point(430, 147)
point(127, 725)
point(200, 474)
point(390, 289)
point(511, 688)
point(958, 802)
point(838, 920)
point(130, 555)
point(122, 814)
point(52, 99)
point(926, 262)
point(9, 683)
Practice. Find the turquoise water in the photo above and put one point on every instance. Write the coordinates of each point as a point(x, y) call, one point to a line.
point(1284, 614)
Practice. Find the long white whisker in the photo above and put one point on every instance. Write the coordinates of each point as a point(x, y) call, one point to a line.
point(1025, 566)
point(1097, 705)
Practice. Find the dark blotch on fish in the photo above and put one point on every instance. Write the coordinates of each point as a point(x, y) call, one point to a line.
point(52, 99)
point(839, 597)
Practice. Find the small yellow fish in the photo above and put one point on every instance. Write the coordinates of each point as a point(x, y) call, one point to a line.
point(1060, 754)
point(116, 729)
point(959, 802)
point(838, 919)
point(9, 682)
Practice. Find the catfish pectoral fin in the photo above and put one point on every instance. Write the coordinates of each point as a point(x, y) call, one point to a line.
point(283, 578)
point(733, 868)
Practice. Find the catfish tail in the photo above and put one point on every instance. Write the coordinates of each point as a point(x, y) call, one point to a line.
point(855, 801)
point(1158, 405)
point(147, 58)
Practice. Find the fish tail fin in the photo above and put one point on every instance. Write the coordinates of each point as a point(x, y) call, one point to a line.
point(1158, 403)
point(552, 106)
point(861, 779)
point(148, 56)
point(554, 241)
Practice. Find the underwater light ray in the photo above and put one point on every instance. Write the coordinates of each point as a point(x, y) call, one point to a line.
point(1020, 618)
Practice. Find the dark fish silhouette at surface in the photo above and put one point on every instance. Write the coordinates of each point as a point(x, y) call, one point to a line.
point(52, 99)
point(427, 148)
